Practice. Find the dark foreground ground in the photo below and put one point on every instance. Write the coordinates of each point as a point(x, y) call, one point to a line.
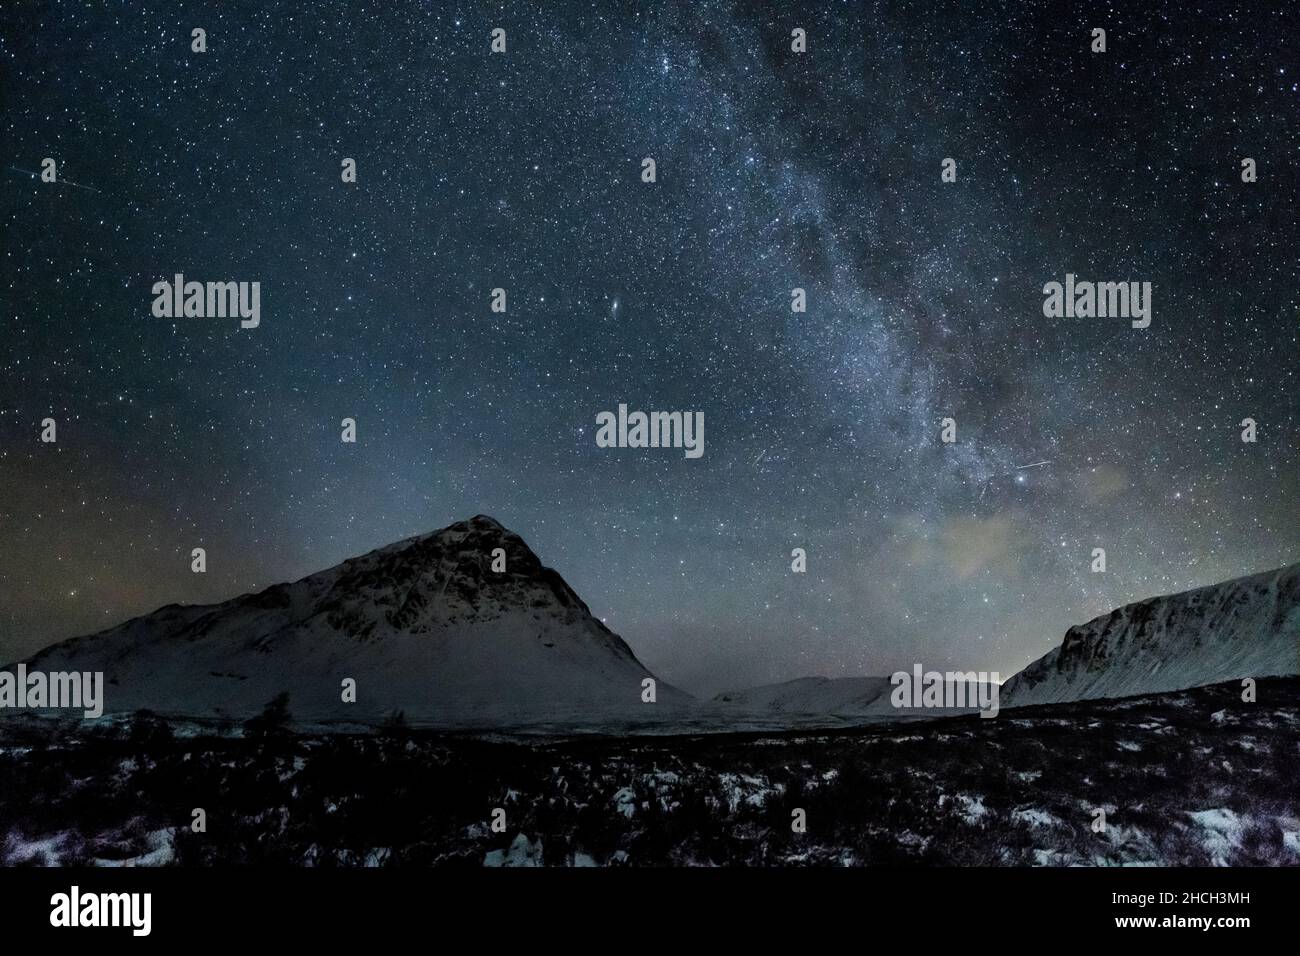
point(1193, 778)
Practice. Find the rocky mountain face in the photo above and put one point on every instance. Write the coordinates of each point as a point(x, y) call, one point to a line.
point(425, 627)
point(1247, 627)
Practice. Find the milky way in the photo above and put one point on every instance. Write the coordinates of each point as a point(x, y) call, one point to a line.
point(776, 170)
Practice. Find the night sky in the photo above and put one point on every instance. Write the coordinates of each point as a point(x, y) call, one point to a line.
point(775, 170)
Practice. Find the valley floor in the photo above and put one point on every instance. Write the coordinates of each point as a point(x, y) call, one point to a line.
point(1193, 778)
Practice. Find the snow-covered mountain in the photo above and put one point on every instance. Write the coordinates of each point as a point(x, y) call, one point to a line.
point(846, 698)
point(812, 695)
point(1247, 627)
point(424, 626)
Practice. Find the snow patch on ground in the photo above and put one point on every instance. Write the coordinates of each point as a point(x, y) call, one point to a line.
point(1036, 818)
point(45, 851)
point(161, 850)
point(523, 852)
point(744, 788)
point(625, 802)
point(1223, 830)
point(971, 808)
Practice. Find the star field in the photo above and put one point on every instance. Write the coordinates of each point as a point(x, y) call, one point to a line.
point(775, 170)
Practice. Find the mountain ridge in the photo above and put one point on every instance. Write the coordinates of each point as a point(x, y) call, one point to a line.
point(1243, 627)
point(464, 627)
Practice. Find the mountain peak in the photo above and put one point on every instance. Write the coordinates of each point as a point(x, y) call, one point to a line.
point(478, 523)
point(470, 570)
point(463, 626)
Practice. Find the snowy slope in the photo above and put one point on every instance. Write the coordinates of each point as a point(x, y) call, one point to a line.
point(842, 697)
point(424, 626)
point(812, 695)
point(1248, 627)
